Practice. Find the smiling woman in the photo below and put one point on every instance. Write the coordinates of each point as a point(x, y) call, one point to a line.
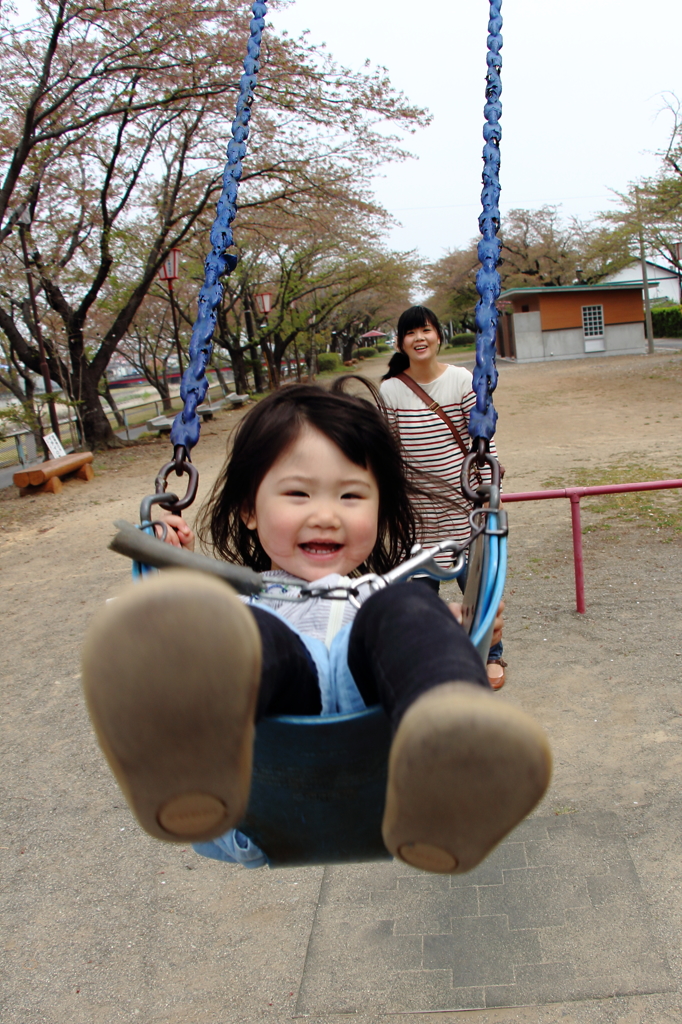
point(421, 395)
point(428, 405)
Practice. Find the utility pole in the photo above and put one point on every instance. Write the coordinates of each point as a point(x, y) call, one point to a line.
point(24, 221)
point(169, 272)
point(645, 280)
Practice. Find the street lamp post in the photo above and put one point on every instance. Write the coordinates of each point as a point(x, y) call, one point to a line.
point(24, 221)
point(293, 306)
point(313, 351)
point(168, 272)
point(263, 301)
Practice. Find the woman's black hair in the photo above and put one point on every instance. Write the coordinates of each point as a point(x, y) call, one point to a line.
point(415, 316)
point(360, 431)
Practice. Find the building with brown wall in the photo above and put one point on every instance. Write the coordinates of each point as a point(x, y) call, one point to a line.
point(571, 321)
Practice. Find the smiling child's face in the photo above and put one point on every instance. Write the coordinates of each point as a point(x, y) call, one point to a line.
point(316, 512)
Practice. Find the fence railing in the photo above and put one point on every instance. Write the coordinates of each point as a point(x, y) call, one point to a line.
point(135, 415)
point(574, 494)
point(18, 447)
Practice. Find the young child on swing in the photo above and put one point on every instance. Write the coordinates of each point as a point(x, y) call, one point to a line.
point(178, 670)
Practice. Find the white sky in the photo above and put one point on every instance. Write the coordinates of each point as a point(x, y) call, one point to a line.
point(584, 84)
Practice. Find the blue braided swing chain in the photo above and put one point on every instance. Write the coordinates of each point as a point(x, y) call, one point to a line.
point(484, 416)
point(186, 426)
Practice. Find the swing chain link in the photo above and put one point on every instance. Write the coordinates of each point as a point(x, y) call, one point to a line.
point(488, 285)
point(186, 426)
point(167, 499)
point(481, 457)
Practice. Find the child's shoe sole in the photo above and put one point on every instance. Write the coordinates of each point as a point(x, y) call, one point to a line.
point(171, 671)
point(464, 770)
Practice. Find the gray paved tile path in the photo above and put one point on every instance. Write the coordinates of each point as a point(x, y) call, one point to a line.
point(556, 914)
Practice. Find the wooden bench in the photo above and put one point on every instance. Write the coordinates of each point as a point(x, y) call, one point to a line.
point(47, 476)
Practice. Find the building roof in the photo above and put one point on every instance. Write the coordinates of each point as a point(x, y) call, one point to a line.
point(610, 286)
point(670, 272)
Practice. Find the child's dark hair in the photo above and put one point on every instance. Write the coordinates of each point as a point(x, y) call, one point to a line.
point(415, 316)
point(360, 431)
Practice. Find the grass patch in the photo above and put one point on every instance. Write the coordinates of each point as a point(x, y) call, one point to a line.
point(654, 510)
point(452, 350)
point(671, 370)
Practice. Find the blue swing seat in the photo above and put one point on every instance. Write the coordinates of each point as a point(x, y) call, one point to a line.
point(319, 783)
point(318, 788)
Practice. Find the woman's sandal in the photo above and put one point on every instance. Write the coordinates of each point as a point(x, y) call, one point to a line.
point(496, 674)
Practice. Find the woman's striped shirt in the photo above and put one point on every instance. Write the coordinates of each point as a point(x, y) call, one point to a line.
point(429, 445)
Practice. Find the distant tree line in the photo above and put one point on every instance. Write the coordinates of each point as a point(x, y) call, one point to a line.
point(112, 143)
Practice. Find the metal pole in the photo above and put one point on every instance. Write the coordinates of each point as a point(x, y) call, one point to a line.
point(313, 352)
point(175, 325)
point(574, 494)
point(577, 553)
point(298, 365)
point(20, 450)
point(44, 369)
point(645, 281)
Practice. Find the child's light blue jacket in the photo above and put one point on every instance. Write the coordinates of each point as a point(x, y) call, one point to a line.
point(338, 691)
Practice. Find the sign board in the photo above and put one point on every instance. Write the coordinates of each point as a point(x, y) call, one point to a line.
point(168, 270)
point(55, 445)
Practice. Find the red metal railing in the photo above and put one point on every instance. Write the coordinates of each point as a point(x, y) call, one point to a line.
point(574, 494)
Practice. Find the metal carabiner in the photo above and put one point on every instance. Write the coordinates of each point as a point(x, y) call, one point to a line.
point(154, 499)
point(181, 463)
point(481, 457)
point(483, 514)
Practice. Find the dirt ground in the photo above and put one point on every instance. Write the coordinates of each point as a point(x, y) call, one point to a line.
point(100, 923)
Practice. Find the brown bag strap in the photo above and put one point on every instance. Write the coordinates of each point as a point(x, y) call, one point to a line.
point(434, 407)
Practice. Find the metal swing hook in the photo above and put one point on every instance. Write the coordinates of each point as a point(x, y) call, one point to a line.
point(180, 463)
point(481, 457)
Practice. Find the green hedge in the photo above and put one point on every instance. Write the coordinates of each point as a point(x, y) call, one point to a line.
point(383, 347)
point(328, 361)
point(667, 322)
point(463, 339)
point(365, 353)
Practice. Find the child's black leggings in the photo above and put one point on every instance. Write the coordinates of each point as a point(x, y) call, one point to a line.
point(404, 641)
